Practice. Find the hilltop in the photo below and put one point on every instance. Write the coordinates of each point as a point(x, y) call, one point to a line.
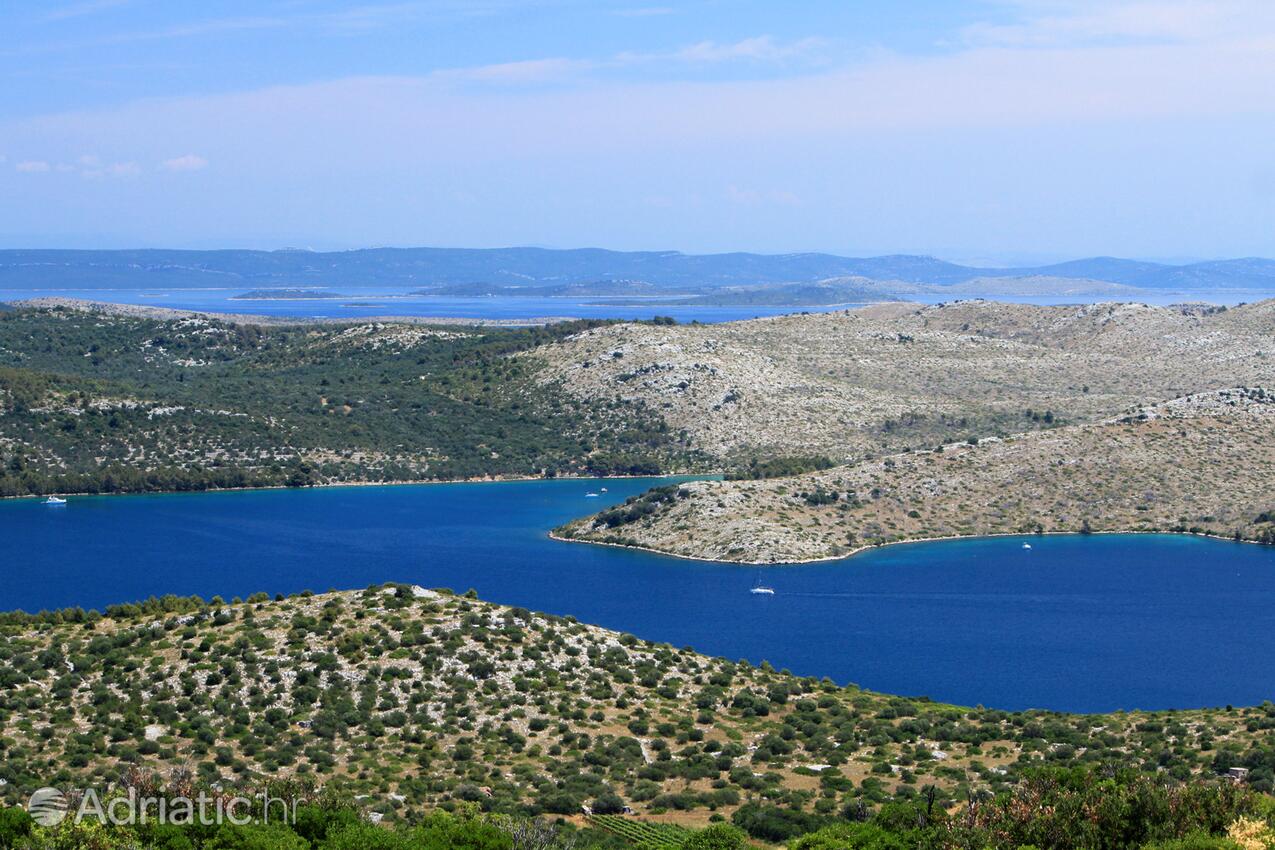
point(1202, 463)
point(408, 699)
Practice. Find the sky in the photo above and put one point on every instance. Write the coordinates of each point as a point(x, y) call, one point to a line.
point(980, 131)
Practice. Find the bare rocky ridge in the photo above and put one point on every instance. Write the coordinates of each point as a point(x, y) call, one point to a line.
point(1202, 463)
point(882, 378)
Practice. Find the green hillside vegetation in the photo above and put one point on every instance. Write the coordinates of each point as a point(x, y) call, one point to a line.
point(400, 702)
point(98, 402)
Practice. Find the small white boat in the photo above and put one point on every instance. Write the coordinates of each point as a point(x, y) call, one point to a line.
point(54, 500)
point(591, 495)
point(1027, 545)
point(763, 591)
point(604, 489)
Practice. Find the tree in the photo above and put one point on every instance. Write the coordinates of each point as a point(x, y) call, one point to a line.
point(14, 824)
point(608, 804)
point(852, 836)
point(719, 836)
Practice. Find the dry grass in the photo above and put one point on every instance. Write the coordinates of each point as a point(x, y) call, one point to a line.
point(878, 379)
point(1202, 463)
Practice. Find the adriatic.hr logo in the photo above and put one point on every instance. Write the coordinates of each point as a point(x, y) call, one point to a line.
point(47, 806)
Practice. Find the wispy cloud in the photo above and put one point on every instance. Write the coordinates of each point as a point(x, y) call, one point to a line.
point(530, 71)
point(759, 49)
point(89, 166)
point(189, 162)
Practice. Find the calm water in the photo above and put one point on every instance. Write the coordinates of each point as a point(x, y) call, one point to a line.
point(391, 301)
point(1075, 623)
point(397, 302)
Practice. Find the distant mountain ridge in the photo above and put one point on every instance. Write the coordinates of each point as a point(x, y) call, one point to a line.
point(510, 269)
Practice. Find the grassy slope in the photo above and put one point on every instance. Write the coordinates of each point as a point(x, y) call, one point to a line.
point(435, 697)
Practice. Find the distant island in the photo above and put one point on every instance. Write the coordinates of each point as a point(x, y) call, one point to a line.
point(586, 271)
point(286, 295)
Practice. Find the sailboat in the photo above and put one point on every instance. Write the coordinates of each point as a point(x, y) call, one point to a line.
point(760, 589)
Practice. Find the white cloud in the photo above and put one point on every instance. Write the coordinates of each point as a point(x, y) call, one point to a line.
point(762, 49)
point(189, 162)
point(32, 166)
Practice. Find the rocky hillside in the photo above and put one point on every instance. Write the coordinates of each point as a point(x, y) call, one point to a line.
point(887, 377)
point(1202, 463)
point(407, 699)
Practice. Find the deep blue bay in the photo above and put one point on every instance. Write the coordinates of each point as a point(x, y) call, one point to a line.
point(1075, 623)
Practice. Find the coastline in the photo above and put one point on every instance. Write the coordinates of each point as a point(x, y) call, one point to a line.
point(367, 483)
point(861, 549)
point(149, 311)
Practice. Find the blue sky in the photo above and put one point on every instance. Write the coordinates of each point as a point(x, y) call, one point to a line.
point(1004, 130)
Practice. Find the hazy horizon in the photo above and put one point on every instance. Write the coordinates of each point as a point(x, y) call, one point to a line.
point(1010, 260)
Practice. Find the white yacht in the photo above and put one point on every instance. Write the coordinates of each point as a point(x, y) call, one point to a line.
point(54, 500)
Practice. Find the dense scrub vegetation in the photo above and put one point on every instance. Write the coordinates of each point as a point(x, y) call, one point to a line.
point(410, 701)
point(1053, 809)
point(99, 403)
point(780, 468)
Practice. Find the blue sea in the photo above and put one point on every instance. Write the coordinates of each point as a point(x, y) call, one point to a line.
point(398, 301)
point(1074, 623)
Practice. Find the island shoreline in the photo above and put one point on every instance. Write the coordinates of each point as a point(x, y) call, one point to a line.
point(367, 483)
point(861, 549)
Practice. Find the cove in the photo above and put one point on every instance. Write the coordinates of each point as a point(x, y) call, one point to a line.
point(1076, 623)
